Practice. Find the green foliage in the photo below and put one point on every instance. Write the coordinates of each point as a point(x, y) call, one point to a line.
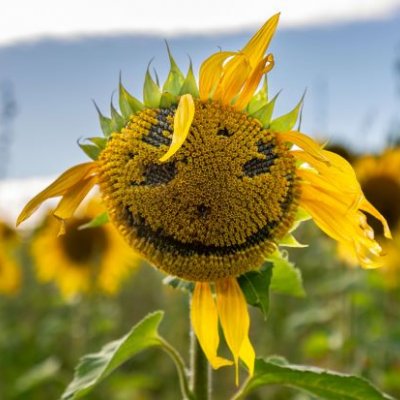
point(255, 287)
point(260, 99)
point(286, 278)
point(322, 383)
point(93, 368)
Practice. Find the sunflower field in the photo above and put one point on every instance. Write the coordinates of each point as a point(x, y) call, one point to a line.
point(207, 249)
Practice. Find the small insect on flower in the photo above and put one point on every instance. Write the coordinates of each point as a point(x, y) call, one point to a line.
point(203, 184)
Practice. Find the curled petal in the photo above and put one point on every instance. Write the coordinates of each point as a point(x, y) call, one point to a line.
point(264, 66)
point(258, 44)
point(182, 122)
point(65, 182)
point(211, 72)
point(204, 318)
point(235, 322)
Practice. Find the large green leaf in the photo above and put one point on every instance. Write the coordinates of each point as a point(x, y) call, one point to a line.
point(93, 368)
point(324, 384)
point(286, 278)
point(255, 287)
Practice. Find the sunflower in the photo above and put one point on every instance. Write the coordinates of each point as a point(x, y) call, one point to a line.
point(203, 184)
point(10, 271)
point(380, 180)
point(82, 260)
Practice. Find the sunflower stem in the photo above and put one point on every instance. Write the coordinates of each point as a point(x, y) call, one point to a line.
point(200, 370)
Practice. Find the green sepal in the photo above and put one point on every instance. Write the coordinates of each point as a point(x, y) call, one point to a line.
point(151, 91)
point(190, 85)
point(97, 221)
point(286, 122)
point(168, 99)
point(105, 123)
point(175, 76)
point(94, 368)
point(320, 383)
point(290, 241)
point(255, 287)
point(90, 150)
point(301, 216)
point(286, 278)
point(260, 99)
point(128, 104)
point(100, 142)
point(264, 114)
point(180, 284)
point(117, 120)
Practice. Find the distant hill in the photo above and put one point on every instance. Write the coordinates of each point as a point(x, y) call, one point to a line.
point(348, 71)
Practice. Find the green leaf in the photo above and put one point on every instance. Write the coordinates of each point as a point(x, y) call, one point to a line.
point(105, 123)
point(286, 122)
point(324, 384)
point(260, 99)
point(175, 77)
point(128, 104)
point(180, 284)
point(99, 220)
point(190, 85)
point(151, 92)
point(286, 278)
point(255, 287)
point(93, 368)
point(39, 374)
point(264, 114)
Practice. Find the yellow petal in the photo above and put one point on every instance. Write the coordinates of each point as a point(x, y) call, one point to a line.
point(205, 323)
point(344, 223)
point(235, 321)
point(211, 72)
point(305, 143)
point(59, 187)
point(182, 122)
point(72, 199)
point(258, 44)
point(264, 66)
point(365, 205)
point(235, 74)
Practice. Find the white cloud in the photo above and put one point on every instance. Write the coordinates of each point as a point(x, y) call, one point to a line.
point(29, 20)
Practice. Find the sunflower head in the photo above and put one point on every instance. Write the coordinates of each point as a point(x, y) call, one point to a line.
point(214, 209)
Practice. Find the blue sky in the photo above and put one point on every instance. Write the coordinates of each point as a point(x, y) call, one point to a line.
point(347, 69)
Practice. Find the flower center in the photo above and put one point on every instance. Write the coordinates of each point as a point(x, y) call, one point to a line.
point(216, 208)
point(384, 193)
point(83, 245)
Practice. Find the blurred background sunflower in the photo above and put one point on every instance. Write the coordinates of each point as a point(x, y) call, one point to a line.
point(10, 269)
point(84, 259)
